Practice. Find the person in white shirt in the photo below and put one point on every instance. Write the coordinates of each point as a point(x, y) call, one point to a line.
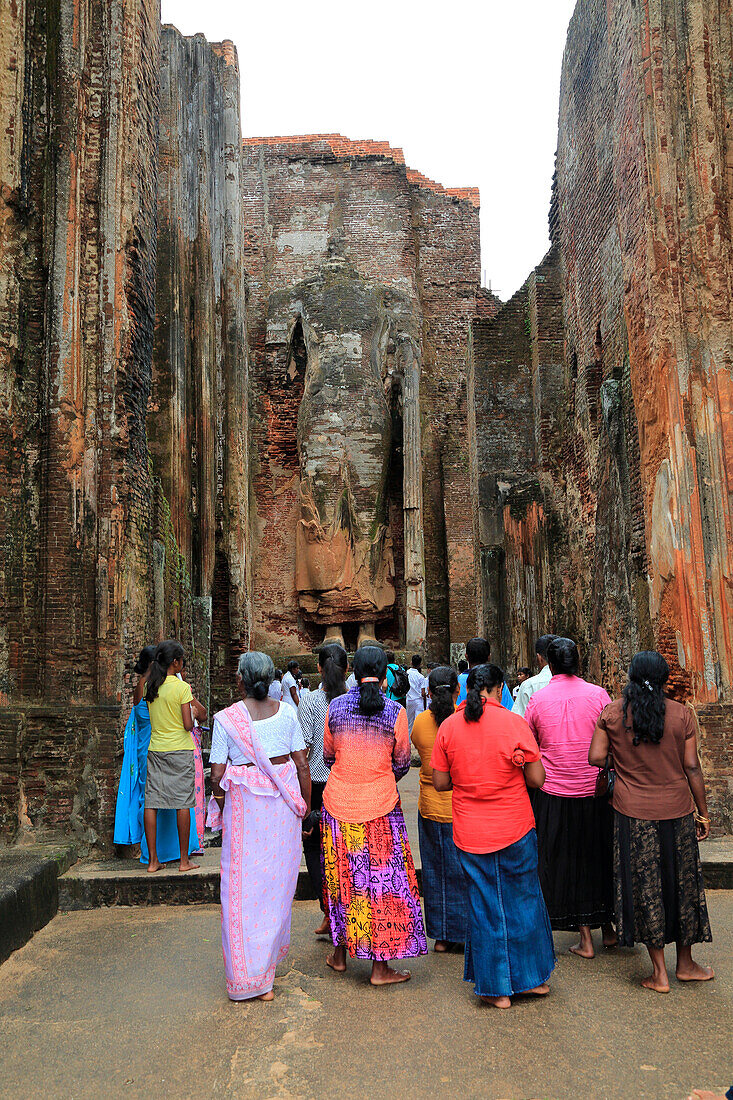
point(275, 691)
point(290, 684)
point(522, 675)
point(535, 683)
point(417, 696)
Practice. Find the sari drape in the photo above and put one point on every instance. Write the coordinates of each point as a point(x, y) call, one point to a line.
point(260, 859)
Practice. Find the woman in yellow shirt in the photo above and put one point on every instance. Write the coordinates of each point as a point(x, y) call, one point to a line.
point(171, 777)
point(444, 891)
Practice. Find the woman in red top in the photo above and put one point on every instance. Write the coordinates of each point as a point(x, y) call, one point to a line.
point(487, 756)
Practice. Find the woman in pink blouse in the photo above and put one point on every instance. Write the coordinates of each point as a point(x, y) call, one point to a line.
point(574, 828)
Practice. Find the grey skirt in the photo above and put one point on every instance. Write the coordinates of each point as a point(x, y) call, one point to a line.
point(171, 781)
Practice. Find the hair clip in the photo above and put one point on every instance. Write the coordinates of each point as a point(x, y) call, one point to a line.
point(369, 680)
point(648, 686)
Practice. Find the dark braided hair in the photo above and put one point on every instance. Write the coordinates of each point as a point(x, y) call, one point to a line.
point(165, 655)
point(442, 683)
point(334, 664)
point(648, 673)
point(480, 677)
point(370, 661)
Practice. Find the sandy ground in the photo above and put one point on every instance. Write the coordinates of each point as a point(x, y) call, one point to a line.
point(131, 1003)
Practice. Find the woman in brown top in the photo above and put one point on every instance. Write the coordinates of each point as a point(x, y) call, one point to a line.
point(660, 896)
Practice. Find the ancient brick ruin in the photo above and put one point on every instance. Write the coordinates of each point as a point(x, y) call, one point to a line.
point(251, 392)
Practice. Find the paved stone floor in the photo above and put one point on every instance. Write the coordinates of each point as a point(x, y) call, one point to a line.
point(131, 1003)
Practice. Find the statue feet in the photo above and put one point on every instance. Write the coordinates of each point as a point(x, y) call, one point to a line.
point(334, 636)
point(367, 635)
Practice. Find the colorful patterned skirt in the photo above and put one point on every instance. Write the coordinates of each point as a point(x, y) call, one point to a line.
point(660, 896)
point(370, 888)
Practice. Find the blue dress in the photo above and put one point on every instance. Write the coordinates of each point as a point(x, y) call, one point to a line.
point(131, 796)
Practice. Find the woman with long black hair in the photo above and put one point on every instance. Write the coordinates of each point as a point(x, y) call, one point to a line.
point(171, 776)
point(373, 899)
point(574, 827)
point(333, 665)
point(443, 884)
point(488, 757)
point(660, 815)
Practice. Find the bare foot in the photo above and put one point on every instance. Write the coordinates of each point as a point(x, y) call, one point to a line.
point(657, 985)
point(582, 952)
point(334, 964)
point(695, 973)
point(269, 996)
point(323, 928)
point(610, 939)
point(538, 991)
point(705, 1094)
point(496, 1002)
point(441, 947)
point(188, 866)
point(388, 976)
point(154, 866)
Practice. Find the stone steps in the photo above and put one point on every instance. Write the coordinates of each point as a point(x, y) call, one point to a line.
point(95, 884)
point(29, 895)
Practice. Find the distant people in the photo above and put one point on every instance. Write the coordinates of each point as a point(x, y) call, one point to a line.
point(372, 893)
point(332, 665)
point(478, 651)
point(535, 683)
point(289, 684)
point(488, 757)
point(462, 669)
point(660, 815)
point(199, 778)
point(170, 782)
point(522, 675)
point(261, 794)
point(574, 828)
point(396, 680)
point(276, 688)
point(417, 696)
point(443, 884)
point(305, 687)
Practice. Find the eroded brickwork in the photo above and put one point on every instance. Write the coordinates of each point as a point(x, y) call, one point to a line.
point(307, 199)
point(613, 522)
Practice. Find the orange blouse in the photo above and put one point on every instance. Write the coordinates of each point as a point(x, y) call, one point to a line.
point(367, 755)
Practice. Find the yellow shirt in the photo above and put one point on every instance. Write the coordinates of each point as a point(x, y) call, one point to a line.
point(432, 804)
point(169, 733)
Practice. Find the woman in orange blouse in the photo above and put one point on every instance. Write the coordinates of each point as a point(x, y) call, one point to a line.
point(373, 899)
point(443, 882)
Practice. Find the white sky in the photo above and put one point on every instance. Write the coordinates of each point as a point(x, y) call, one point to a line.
point(468, 89)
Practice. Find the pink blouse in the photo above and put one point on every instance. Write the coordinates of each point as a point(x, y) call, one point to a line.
point(562, 716)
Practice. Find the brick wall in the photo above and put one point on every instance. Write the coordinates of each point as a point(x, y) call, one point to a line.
point(306, 198)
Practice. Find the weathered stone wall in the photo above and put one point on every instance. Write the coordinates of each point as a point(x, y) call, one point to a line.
point(614, 522)
point(309, 199)
point(105, 543)
point(78, 117)
point(197, 422)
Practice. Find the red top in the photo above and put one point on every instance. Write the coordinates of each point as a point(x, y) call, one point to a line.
point(491, 808)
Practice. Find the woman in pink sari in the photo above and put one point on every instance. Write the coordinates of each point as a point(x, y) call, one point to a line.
point(262, 791)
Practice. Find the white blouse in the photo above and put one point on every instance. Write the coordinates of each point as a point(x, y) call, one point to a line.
point(279, 735)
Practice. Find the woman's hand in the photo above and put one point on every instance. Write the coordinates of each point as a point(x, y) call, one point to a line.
point(702, 827)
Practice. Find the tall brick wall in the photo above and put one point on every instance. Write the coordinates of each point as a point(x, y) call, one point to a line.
point(615, 525)
point(197, 420)
point(309, 198)
point(78, 183)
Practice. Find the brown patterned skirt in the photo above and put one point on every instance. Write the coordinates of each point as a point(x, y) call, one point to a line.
point(660, 897)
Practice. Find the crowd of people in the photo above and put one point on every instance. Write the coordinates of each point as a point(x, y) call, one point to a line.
point(551, 807)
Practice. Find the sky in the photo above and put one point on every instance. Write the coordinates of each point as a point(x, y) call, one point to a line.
point(469, 90)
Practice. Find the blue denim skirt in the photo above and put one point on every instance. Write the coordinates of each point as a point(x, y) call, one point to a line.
point(443, 884)
point(509, 946)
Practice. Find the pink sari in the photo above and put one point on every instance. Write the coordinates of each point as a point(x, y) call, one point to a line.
point(260, 859)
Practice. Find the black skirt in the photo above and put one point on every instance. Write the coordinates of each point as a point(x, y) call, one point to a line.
point(660, 897)
point(575, 842)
